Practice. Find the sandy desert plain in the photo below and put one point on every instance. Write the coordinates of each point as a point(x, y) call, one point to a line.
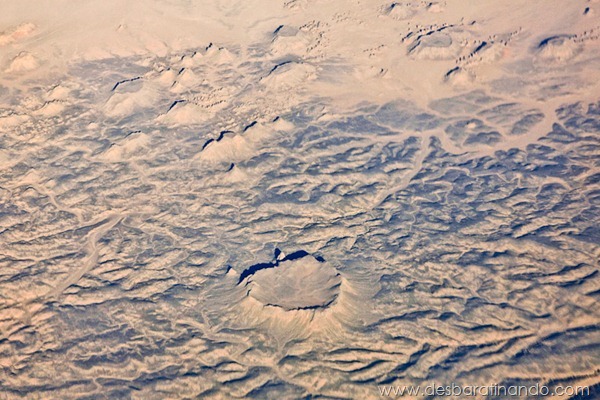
point(297, 199)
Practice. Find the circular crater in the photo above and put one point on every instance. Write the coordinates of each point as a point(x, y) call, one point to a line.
point(295, 283)
point(400, 11)
point(558, 48)
point(435, 46)
point(437, 40)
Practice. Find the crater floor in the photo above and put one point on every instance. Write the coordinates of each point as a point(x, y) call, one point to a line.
point(303, 283)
